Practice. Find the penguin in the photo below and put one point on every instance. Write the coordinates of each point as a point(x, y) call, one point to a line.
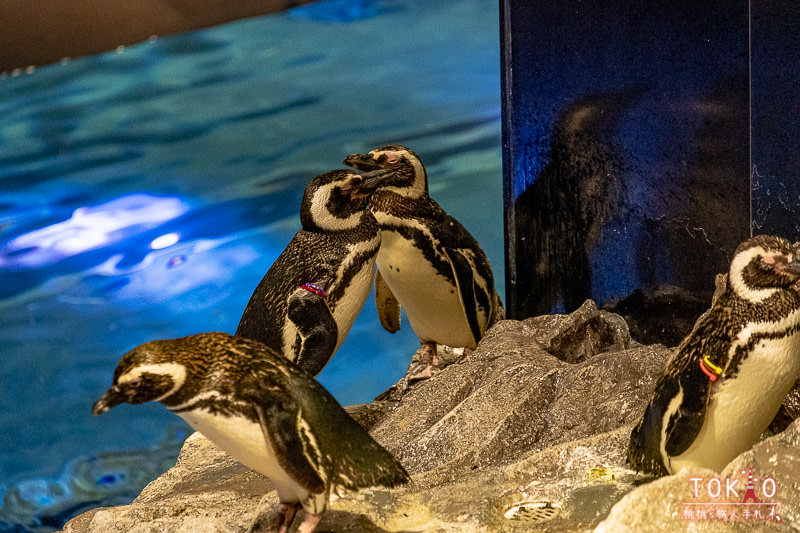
point(428, 263)
point(309, 298)
point(264, 411)
point(728, 377)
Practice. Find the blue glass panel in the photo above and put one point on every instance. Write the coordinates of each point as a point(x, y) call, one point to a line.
point(626, 154)
point(776, 117)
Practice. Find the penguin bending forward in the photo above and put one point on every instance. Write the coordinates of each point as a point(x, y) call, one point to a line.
point(309, 298)
point(261, 409)
point(729, 376)
point(428, 263)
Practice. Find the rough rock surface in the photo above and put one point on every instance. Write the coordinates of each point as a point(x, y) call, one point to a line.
point(526, 433)
point(657, 506)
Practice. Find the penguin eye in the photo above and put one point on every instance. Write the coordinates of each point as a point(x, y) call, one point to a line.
point(387, 159)
point(773, 261)
point(350, 183)
point(778, 262)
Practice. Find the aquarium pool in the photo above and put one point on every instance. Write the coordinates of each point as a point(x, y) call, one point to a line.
point(145, 192)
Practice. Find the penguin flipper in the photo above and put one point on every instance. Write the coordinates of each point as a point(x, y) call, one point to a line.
point(280, 420)
point(686, 423)
point(387, 304)
point(317, 329)
point(467, 288)
point(684, 398)
point(644, 447)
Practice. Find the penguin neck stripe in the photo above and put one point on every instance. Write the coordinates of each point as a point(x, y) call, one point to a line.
point(316, 289)
point(755, 331)
point(326, 220)
point(206, 400)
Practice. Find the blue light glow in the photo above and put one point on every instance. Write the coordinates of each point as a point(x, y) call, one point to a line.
point(90, 228)
point(165, 241)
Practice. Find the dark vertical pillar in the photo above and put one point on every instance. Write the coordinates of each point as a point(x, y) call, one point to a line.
point(626, 155)
point(775, 104)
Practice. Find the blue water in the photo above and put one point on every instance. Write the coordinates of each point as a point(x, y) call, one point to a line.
point(145, 192)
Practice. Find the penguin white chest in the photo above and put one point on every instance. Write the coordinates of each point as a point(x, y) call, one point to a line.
point(244, 440)
point(742, 407)
point(357, 286)
point(432, 303)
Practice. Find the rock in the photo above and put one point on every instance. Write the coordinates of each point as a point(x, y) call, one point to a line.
point(657, 506)
point(587, 332)
point(509, 397)
point(509, 438)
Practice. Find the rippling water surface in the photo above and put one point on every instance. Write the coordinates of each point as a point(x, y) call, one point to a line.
point(144, 193)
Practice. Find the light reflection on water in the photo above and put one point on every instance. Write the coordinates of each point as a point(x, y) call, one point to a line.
point(210, 137)
point(88, 228)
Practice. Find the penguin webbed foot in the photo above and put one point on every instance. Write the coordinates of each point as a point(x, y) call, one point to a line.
point(282, 523)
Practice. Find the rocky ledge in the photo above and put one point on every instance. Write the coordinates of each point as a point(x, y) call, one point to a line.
point(527, 433)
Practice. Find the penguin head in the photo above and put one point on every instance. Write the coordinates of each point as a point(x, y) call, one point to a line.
point(172, 371)
point(410, 179)
point(150, 372)
point(158, 370)
point(762, 266)
point(337, 200)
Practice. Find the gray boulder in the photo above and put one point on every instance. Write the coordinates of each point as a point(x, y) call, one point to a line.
point(661, 504)
point(526, 433)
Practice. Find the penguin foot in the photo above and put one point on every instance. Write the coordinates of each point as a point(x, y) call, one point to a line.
point(286, 514)
point(309, 523)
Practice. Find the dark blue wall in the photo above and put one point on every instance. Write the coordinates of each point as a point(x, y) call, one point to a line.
point(627, 150)
point(776, 117)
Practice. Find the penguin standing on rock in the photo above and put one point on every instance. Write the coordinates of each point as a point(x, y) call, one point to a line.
point(264, 411)
point(309, 298)
point(428, 263)
point(726, 382)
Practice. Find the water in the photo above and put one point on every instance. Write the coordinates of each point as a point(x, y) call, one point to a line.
point(144, 193)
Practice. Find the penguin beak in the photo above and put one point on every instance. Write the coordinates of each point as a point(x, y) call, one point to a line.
point(112, 397)
point(361, 162)
point(377, 179)
point(793, 267)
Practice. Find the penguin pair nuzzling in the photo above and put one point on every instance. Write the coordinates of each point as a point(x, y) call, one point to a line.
point(427, 263)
